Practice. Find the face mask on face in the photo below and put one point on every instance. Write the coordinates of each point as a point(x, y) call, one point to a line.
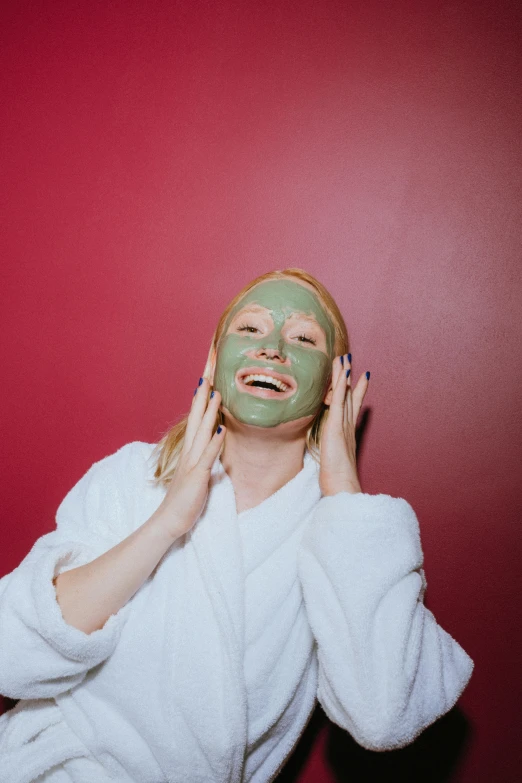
point(300, 366)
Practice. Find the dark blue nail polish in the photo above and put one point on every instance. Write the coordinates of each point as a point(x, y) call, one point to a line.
point(195, 390)
point(219, 429)
point(350, 358)
point(342, 360)
point(200, 381)
point(368, 374)
point(211, 395)
point(347, 373)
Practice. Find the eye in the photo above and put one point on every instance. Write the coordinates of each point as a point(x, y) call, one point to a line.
point(303, 338)
point(247, 328)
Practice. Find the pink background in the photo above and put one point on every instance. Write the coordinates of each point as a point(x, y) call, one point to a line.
point(158, 156)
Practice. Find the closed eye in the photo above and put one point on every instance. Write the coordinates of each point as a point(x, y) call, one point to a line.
point(247, 328)
point(303, 338)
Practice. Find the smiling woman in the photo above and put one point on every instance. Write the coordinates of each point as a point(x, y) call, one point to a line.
point(289, 337)
point(215, 585)
point(282, 319)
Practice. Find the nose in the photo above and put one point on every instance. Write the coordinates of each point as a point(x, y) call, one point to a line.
point(272, 353)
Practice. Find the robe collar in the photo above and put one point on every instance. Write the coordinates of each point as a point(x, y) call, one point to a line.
point(216, 539)
point(217, 536)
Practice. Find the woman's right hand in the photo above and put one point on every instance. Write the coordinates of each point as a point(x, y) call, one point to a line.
point(188, 489)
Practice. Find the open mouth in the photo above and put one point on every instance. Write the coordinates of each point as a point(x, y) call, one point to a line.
point(265, 383)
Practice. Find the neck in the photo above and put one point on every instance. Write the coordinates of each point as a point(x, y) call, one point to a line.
point(259, 461)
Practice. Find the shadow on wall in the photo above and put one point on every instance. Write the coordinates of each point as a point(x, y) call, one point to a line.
point(432, 758)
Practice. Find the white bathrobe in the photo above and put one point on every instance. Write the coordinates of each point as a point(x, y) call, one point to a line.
point(211, 671)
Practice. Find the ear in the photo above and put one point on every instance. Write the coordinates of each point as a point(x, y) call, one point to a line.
point(327, 399)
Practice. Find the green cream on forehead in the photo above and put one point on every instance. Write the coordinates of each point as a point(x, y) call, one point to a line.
point(309, 366)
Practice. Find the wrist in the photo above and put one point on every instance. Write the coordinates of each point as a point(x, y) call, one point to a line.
point(169, 524)
point(353, 487)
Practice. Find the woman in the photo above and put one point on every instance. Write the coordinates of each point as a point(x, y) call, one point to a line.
point(201, 604)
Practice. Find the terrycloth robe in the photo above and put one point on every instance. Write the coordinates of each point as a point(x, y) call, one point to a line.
point(211, 670)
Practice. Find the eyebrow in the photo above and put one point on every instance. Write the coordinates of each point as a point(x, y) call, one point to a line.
point(309, 318)
point(253, 308)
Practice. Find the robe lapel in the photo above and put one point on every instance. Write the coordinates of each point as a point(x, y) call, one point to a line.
point(217, 546)
point(272, 522)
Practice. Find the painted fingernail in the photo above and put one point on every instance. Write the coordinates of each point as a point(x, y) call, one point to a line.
point(200, 381)
point(347, 373)
point(342, 360)
point(211, 395)
point(368, 374)
point(195, 390)
point(219, 429)
point(350, 358)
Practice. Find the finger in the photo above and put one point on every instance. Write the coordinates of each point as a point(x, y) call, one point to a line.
point(204, 433)
point(337, 404)
point(199, 405)
point(358, 396)
point(337, 367)
point(211, 451)
point(348, 405)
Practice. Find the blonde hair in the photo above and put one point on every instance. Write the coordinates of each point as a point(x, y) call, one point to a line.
point(168, 449)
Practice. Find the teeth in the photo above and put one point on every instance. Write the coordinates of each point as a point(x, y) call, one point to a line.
point(266, 379)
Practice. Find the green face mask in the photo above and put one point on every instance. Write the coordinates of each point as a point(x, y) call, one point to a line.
point(306, 367)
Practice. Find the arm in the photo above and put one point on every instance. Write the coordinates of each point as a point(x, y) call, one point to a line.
point(48, 639)
point(90, 594)
point(387, 670)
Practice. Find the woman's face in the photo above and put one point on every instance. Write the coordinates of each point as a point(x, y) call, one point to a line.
point(274, 359)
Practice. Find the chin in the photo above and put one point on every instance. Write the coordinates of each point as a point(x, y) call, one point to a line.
point(293, 426)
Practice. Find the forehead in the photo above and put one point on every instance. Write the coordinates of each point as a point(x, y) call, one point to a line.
point(286, 296)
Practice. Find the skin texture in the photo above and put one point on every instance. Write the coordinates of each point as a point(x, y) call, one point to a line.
point(270, 337)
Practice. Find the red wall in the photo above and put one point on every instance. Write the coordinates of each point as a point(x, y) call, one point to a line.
point(157, 156)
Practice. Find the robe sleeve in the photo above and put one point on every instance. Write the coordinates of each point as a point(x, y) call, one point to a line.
point(387, 670)
point(41, 655)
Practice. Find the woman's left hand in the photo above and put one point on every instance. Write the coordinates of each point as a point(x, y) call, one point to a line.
point(338, 471)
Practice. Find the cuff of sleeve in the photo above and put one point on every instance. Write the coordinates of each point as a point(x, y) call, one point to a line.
point(364, 504)
point(382, 526)
point(71, 642)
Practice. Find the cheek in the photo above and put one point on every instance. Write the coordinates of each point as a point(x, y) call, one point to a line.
point(323, 369)
point(230, 354)
point(312, 371)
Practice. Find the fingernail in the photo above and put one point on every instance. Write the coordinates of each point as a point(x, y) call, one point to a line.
point(219, 429)
point(350, 358)
point(200, 381)
point(342, 360)
point(368, 374)
point(211, 395)
point(347, 373)
point(195, 390)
